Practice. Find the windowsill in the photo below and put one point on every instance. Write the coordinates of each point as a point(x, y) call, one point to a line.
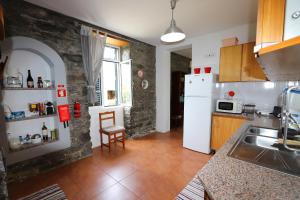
point(93, 108)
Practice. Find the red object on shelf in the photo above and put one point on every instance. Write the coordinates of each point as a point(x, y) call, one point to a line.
point(197, 70)
point(64, 114)
point(77, 111)
point(231, 93)
point(207, 70)
point(61, 91)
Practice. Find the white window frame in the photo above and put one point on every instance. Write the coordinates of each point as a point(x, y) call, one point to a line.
point(118, 62)
point(120, 82)
point(116, 73)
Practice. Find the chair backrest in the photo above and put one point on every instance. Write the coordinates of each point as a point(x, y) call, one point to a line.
point(104, 116)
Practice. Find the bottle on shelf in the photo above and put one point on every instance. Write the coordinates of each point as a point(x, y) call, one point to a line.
point(49, 135)
point(40, 82)
point(41, 108)
point(21, 139)
point(45, 132)
point(30, 83)
point(54, 135)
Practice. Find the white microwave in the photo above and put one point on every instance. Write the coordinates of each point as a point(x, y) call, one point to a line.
point(229, 106)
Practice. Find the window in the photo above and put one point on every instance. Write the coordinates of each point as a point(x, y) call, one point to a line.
point(114, 85)
point(126, 82)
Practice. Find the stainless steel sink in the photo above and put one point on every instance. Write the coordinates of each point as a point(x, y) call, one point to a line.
point(261, 141)
point(263, 131)
point(260, 146)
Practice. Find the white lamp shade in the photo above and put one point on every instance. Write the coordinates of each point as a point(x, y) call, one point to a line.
point(173, 34)
point(172, 37)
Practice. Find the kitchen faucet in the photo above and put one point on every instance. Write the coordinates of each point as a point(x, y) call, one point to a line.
point(287, 117)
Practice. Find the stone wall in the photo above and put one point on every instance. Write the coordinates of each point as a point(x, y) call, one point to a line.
point(3, 188)
point(62, 33)
point(180, 63)
point(142, 114)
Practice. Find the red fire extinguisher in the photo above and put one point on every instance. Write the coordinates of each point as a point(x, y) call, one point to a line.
point(77, 111)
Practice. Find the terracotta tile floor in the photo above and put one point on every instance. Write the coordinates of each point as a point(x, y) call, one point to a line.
point(152, 167)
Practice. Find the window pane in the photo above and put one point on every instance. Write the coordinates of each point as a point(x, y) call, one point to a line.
point(126, 83)
point(110, 53)
point(109, 83)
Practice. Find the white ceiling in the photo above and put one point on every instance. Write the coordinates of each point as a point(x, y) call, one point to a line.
point(185, 52)
point(146, 20)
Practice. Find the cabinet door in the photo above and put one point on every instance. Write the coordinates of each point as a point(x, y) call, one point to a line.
point(292, 22)
point(251, 70)
point(270, 21)
point(223, 128)
point(230, 63)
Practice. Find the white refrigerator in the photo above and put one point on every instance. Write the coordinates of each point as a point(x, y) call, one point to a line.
point(198, 107)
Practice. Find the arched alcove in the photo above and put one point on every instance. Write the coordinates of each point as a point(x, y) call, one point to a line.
point(27, 53)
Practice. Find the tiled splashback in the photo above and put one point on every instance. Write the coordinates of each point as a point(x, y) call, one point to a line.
point(264, 95)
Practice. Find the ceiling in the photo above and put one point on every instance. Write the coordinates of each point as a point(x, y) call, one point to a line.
point(146, 20)
point(185, 52)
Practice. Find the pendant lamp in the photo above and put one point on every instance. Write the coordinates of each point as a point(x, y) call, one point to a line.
point(173, 33)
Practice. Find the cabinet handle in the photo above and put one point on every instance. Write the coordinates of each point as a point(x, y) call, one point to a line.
point(296, 15)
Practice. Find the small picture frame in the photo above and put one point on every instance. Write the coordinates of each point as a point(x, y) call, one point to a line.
point(140, 73)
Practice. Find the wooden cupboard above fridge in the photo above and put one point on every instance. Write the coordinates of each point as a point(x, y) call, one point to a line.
point(230, 63)
point(238, 63)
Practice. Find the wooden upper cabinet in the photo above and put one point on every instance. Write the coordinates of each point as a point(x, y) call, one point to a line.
point(230, 63)
point(270, 21)
point(251, 70)
point(238, 63)
point(223, 128)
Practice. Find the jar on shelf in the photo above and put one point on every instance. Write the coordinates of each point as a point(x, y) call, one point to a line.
point(40, 82)
point(14, 142)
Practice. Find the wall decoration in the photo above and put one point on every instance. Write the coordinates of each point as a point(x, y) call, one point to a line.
point(61, 91)
point(140, 73)
point(145, 84)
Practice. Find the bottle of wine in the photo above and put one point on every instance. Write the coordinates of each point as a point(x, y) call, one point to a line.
point(45, 132)
point(30, 83)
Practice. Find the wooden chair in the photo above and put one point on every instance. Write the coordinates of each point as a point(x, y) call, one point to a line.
point(113, 132)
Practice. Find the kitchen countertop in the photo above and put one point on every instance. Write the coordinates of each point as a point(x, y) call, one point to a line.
point(233, 115)
point(225, 177)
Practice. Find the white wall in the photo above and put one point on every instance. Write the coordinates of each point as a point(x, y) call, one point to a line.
point(94, 126)
point(163, 81)
point(265, 95)
point(201, 47)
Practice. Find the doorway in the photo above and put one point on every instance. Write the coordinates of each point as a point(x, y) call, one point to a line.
point(180, 66)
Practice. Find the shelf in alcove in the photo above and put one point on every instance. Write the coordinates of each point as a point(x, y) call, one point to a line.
point(12, 88)
point(31, 118)
point(31, 145)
